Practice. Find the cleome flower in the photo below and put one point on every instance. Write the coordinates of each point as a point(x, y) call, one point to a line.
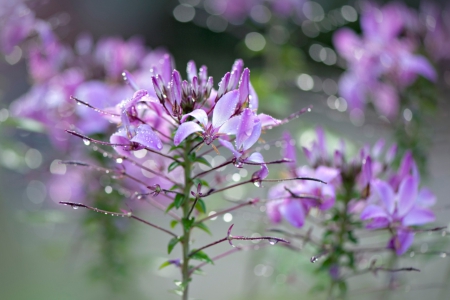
point(399, 211)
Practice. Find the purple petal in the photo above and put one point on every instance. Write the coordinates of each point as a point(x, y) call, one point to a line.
point(225, 108)
point(230, 127)
point(176, 86)
point(326, 174)
point(346, 42)
point(273, 211)
point(293, 212)
point(390, 154)
point(191, 70)
point(261, 174)
point(373, 211)
point(268, 121)
point(386, 100)
point(120, 137)
point(401, 241)
point(199, 114)
point(367, 170)
point(256, 157)
point(385, 193)
point(223, 84)
point(309, 155)
point(230, 147)
point(289, 151)
point(417, 64)
point(406, 164)
point(244, 89)
point(184, 130)
point(377, 148)
point(407, 194)
point(426, 198)
point(245, 127)
point(418, 216)
point(253, 98)
point(256, 133)
point(377, 223)
point(147, 137)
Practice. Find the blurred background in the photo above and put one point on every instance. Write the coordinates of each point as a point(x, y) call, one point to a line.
point(51, 252)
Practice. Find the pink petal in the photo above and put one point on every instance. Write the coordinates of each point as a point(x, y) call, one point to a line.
point(184, 130)
point(346, 42)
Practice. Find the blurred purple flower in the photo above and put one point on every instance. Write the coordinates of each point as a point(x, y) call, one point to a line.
point(398, 211)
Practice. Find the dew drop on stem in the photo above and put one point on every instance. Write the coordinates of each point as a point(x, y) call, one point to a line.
point(273, 241)
point(314, 259)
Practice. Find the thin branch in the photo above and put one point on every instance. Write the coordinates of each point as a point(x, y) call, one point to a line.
point(251, 202)
point(129, 146)
point(225, 254)
point(305, 237)
point(212, 191)
point(375, 270)
point(115, 214)
point(212, 169)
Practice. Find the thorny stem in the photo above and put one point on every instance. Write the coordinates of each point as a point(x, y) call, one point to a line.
point(116, 214)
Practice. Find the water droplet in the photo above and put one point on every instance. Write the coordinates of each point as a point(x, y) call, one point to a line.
point(78, 103)
point(314, 259)
point(238, 164)
point(86, 142)
point(107, 171)
point(257, 183)
point(119, 160)
point(273, 241)
point(444, 233)
point(74, 207)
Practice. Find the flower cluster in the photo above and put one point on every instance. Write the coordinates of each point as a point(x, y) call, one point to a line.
point(367, 184)
point(383, 61)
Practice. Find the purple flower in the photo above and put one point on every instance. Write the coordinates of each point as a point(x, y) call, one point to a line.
point(398, 211)
point(381, 63)
point(294, 201)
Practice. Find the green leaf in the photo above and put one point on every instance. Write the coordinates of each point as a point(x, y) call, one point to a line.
point(175, 186)
point(200, 206)
point(201, 256)
point(204, 228)
point(173, 165)
point(342, 287)
point(172, 244)
point(187, 223)
point(202, 160)
point(196, 181)
point(178, 201)
point(164, 264)
point(173, 223)
point(171, 205)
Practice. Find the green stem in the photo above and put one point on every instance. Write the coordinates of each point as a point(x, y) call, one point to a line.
point(186, 210)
